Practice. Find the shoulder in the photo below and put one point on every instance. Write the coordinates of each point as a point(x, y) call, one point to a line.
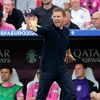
point(54, 6)
point(74, 80)
point(66, 29)
point(93, 86)
point(84, 10)
point(9, 26)
point(18, 86)
point(38, 8)
point(33, 85)
point(90, 82)
point(17, 11)
point(73, 26)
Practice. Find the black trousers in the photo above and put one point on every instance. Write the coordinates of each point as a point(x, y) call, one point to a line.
point(64, 81)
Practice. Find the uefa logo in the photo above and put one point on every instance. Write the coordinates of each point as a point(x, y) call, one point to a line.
point(31, 56)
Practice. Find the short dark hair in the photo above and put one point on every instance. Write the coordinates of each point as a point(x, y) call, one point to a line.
point(68, 10)
point(5, 66)
point(58, 9)
point(80, 62)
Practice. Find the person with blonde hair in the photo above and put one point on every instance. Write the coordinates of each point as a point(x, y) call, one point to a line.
point(11, 14)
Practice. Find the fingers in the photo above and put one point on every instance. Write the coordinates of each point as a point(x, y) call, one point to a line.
point(69, 59)
point(66, 60)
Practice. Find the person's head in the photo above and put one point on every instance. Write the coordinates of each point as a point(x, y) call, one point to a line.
point(80, 69)
point(30, 15)
point(46, 2)
point(6, 73)
point(59, 16)
point(1, 16)
point(96, 20)
point(38, 73)
point(8, 5)
point(75, 3)
point(68, 16)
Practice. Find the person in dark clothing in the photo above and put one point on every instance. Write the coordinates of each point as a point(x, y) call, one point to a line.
point(12, 15)
point(55, 54)
point(44, 13)
point(83, 86)
point(68, 22)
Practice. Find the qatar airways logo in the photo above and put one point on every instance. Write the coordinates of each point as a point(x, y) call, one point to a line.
point(87, 55)
point(4, 56)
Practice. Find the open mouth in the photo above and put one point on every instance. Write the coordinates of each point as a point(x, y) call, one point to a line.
point(57, 22)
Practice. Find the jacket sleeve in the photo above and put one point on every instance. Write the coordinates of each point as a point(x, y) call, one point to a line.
point(93, 86)
point(53, 92)
point(42, 31)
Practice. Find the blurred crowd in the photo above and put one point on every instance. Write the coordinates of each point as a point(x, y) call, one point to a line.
point(80, 14)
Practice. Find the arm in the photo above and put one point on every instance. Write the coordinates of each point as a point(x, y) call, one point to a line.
point(53, 92)
point(39, 30)
point(20, 95)
point(30, 92)
point(20, 20)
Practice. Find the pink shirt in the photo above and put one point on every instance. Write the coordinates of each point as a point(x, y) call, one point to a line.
point(95, 5)
point(19, 93)
point(33, 89)
point(1, 3)
point(6, 26)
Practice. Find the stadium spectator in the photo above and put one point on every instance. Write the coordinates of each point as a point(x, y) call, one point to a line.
point(91, 5)
point(62, 3)
point(25, 4)
point(4, 25)
point(95, 21)
point(29, 16)
point(44, 13)
point(80, 16)
point(33, 89)
point(11, 14)
point(8, 90)
point(68, 22)
point(82, 85)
